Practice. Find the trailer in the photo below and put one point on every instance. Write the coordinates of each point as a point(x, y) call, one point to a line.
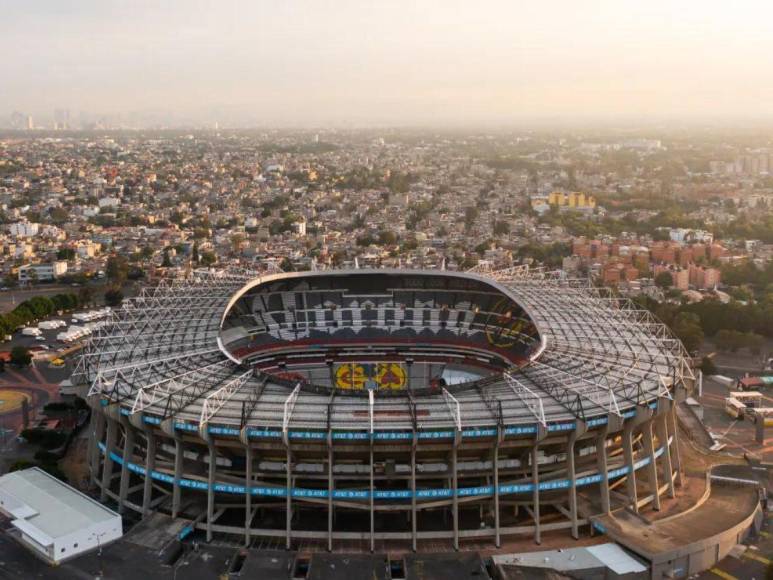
point(748, 383)
point(751, 399)
point(73, 333)
point(91, 315)
point(764, 414)
point(734, 408)
point(726, 381)
point(51, 324)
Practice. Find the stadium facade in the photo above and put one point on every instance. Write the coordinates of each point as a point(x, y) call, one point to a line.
point(394, 406)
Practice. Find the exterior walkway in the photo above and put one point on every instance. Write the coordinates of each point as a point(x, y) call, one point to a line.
point(695, 540)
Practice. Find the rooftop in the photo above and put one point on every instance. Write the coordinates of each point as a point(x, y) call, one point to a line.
point(48, 505)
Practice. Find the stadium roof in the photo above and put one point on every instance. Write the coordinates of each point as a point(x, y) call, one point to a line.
point(160, 357)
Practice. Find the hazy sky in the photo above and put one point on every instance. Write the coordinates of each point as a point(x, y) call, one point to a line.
point(289, 62)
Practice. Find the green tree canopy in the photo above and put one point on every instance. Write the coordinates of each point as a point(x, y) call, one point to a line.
point(20, 356)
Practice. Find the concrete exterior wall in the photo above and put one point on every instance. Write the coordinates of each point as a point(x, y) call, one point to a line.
point(480, 464)
point(87, 539)
point(45, 552)
point(699, 556)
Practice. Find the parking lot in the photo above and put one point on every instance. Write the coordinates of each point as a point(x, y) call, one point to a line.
point(738, 436)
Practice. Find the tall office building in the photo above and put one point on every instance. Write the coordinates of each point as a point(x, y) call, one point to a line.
point(61, 119)
point(18, 120)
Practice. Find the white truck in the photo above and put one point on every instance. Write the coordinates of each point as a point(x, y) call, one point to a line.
point(725, 381)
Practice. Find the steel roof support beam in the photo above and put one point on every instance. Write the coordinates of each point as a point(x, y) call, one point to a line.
point(453, 408)
point(215, 400)
point(529, 398)
point(252, 401)
point(162, 390)
point(289, 407)
point(591, 393)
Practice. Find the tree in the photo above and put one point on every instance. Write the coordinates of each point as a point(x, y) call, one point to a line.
point(687, 327)
point(135, 273)
point(707, 366)
point(41, 306)
point(167, 261)
point(236, 243)
point(195, 254)
point(664, 280)
point(117, 269)
point(365, 240)
point(482, 247)
point(387, 238)
point(501, 228)
point(470, 215)
point(207, 259)
point(20, 356)
point(59, 215)
point(85, 296)
point(21, 464)
point(65, 254)
point(114, 297)
point(728, 340)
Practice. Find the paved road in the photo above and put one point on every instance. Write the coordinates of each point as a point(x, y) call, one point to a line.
point(754, 563)
point(44, 382)
point(9, 299)
point(738, 436)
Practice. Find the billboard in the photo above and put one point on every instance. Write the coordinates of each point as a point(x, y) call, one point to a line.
point(372, 376)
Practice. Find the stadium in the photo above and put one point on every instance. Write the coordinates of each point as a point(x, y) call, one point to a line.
point(335, 408)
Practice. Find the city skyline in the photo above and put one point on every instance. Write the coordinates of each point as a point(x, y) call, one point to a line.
point(371, 64)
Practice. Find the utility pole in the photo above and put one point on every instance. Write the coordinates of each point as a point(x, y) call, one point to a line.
point(99, 554)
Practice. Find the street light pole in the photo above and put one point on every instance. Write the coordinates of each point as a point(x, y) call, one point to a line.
point(99, 554)
point(177, 568)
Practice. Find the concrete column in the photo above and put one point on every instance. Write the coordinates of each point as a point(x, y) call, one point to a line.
point(107, 467)
point(454, 495)
point(497, 539)
point(247, 494)
point(150, 465)
point(601, 463)
point(413, 493)
point(675, 456)
point(289, 498)
point(571, 473)
point(535, 492)
point(330, 489)
point(652, 468)
point(631, 477)
point(759, 429)
point(372, 505)
point(661, 430)
point(97, 434)
point(128, 451)
point(211, 489)
point(179, 452)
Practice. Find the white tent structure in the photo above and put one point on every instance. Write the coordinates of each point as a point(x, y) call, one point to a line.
point(52, 519)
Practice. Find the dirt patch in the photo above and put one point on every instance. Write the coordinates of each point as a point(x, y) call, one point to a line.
point(75, 465)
